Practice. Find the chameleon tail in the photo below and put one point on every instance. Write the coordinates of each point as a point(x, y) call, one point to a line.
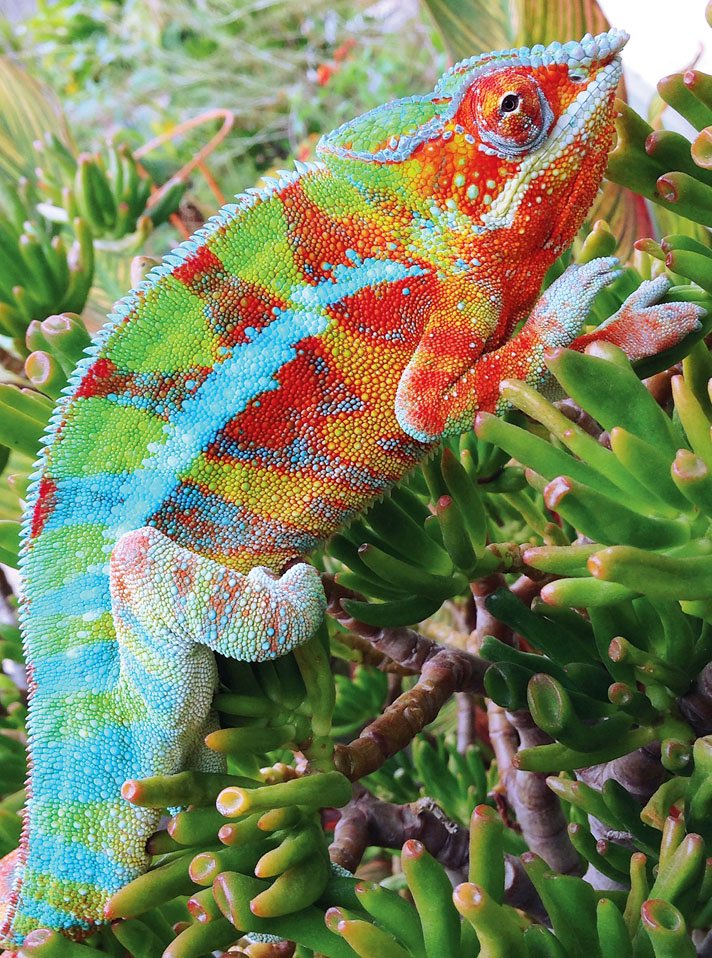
point(8, 866)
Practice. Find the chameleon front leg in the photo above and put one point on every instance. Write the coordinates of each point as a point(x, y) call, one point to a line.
point(555, 321)
point(434, 396)
point(450, 378)
point(641, 327)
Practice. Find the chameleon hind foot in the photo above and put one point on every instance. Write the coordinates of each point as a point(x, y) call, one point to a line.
point(251, 617)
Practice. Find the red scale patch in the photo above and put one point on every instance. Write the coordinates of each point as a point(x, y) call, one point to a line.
point(232, 303)
point(98, 379)
point(201, 263)
point(316, 236)
point(276, 418)
point(46, 501)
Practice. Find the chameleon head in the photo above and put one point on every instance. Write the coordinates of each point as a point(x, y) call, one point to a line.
point(541, 122)
point(514, 141)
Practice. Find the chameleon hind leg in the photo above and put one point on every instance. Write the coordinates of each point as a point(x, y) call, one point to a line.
point(170, 608)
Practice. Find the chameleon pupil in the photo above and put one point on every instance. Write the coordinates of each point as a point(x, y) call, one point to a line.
point(509, 103)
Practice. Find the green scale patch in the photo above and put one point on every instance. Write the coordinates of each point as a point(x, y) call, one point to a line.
point(89, 446)
point(168, 332)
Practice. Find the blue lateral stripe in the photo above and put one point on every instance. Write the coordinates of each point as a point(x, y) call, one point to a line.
point(124, 502)
point(47, 916)
point(88, 593)
point(81, 668)
point(83, 500)
point(74, 862)
point(349, 280)
point(245, 373)
point(116, 753)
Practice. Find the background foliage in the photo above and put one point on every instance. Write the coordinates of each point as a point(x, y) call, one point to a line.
point(543, 740)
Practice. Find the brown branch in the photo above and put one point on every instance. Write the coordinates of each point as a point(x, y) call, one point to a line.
point(576, 414)
point(367, 821)
point(640, 772)
point(368, 655)
point(442, 671)
point(466, 732)
point(539, 814)
point(485, 622)
point(11, 363)
point(696, 705)
point(408, 648)
point(409, 714)
point(526, 587)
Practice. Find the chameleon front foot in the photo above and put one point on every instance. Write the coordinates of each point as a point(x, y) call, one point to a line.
point(644, 326)
point(561, 312)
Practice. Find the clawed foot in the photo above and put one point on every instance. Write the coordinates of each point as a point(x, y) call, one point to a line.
point(595, 275)
point(644, 326)
point(562, 311)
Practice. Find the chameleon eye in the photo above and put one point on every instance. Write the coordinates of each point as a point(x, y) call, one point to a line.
point(510, 112)
point(509, 104)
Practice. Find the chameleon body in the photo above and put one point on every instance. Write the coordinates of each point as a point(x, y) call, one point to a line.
point(276, 373)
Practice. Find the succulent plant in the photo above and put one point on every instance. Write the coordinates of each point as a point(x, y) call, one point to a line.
point(107, 188)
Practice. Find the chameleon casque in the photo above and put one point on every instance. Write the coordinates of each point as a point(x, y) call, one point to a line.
point(276, 373)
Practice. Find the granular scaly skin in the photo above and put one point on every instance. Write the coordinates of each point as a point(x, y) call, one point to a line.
point(278, 371)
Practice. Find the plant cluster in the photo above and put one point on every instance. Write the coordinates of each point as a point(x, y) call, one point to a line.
point(285, 70)
point(526, 773)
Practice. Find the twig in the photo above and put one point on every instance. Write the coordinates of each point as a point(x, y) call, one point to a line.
point(640, 772)
point(704, 948)
point(442, 672)
point(367, 821)
point(465, 721)
point(368, 655)
point(411, 650)
point(197, 161)
point(696, 705)
point(578, 415)
point(485, 622)
point(10, 362)
point(538, 811)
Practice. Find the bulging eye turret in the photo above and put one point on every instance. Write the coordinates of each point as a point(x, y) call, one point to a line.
point(510, 112)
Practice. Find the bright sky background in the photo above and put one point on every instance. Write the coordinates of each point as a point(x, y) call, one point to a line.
point(665, 37)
